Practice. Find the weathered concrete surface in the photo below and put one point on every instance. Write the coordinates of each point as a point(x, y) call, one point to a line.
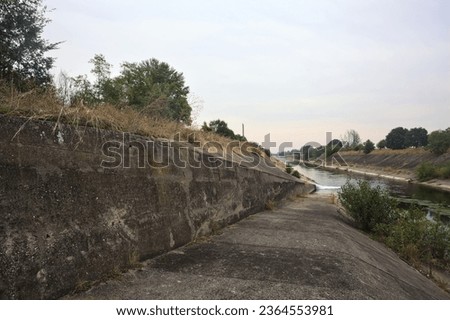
point(302, 251)
point(67, 221)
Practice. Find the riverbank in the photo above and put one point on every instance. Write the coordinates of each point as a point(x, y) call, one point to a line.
point(443, 185)
point(395, 165)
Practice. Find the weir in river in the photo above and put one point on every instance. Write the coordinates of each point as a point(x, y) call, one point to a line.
point(407, 193)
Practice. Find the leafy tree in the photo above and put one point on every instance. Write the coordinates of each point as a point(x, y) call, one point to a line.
point(396, 139)
point(105, 89)
point(220, 127)
point(358, 147)
point(205, 127)
point(416, 137)
point(381, 144)
point(439, 141)
point(369, 146)
point(83, 91)
point(304, 152)
point(151, 87)
point(240, 138)
point(333, 146)
point(157, 87)
point(22, 48)
point(351, 139)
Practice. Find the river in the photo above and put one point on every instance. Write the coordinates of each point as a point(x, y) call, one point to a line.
point(432, 199)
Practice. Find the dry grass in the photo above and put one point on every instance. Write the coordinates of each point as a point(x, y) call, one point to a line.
point(270, 205)
point(408, 151)
point(333, 199)
point(44, 105)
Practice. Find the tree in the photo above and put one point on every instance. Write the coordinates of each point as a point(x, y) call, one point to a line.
point(22, 49)
point(359, 147)
point(439, 141)
point(416, 137)
point(83, 91)
point(369, 146)
point(157, 87)
point(104, 90)
point(240, 138)
point(381, 144)
point(151, 87)
point(333, 146)
point(351, 139)
point(396, 139)
point(220, 127)
point(64, 88)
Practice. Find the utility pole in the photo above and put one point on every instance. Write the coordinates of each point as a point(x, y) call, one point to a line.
point(243, 130)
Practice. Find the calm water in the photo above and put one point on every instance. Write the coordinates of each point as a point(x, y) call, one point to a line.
point(434, 200)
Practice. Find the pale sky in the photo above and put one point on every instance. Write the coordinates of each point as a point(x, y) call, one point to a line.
point(294, 69)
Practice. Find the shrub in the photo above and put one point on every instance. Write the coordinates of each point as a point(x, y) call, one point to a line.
point(296, 174)
point(289, 169)
point(368, 205)
point(416, 238)
point(426, 171)
point(409, 232)
point(444, 171)
point(406, 234)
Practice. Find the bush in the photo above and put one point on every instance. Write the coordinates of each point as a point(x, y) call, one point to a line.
point(296, 174)
point(417, 239)
point(426, 171)
point(444, 171)
point(409, 232)
point(368, 205)
point(289, 169)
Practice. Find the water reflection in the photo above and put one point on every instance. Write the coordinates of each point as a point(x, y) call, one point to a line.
point(433, 199)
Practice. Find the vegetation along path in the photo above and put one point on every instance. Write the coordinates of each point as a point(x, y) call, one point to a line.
point(300, 251)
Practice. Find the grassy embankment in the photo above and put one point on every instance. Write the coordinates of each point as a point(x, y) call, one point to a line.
point(39, 104)
point(44, 105)
point(416, 164)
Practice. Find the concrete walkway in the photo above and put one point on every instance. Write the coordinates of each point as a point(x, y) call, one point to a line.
point(301, 251)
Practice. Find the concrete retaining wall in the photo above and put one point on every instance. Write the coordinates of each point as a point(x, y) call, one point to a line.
point(66, 221)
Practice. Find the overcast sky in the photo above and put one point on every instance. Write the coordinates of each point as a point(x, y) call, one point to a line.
point(295, 69)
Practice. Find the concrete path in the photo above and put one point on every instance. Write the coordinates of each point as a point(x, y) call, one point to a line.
point(301, 251)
